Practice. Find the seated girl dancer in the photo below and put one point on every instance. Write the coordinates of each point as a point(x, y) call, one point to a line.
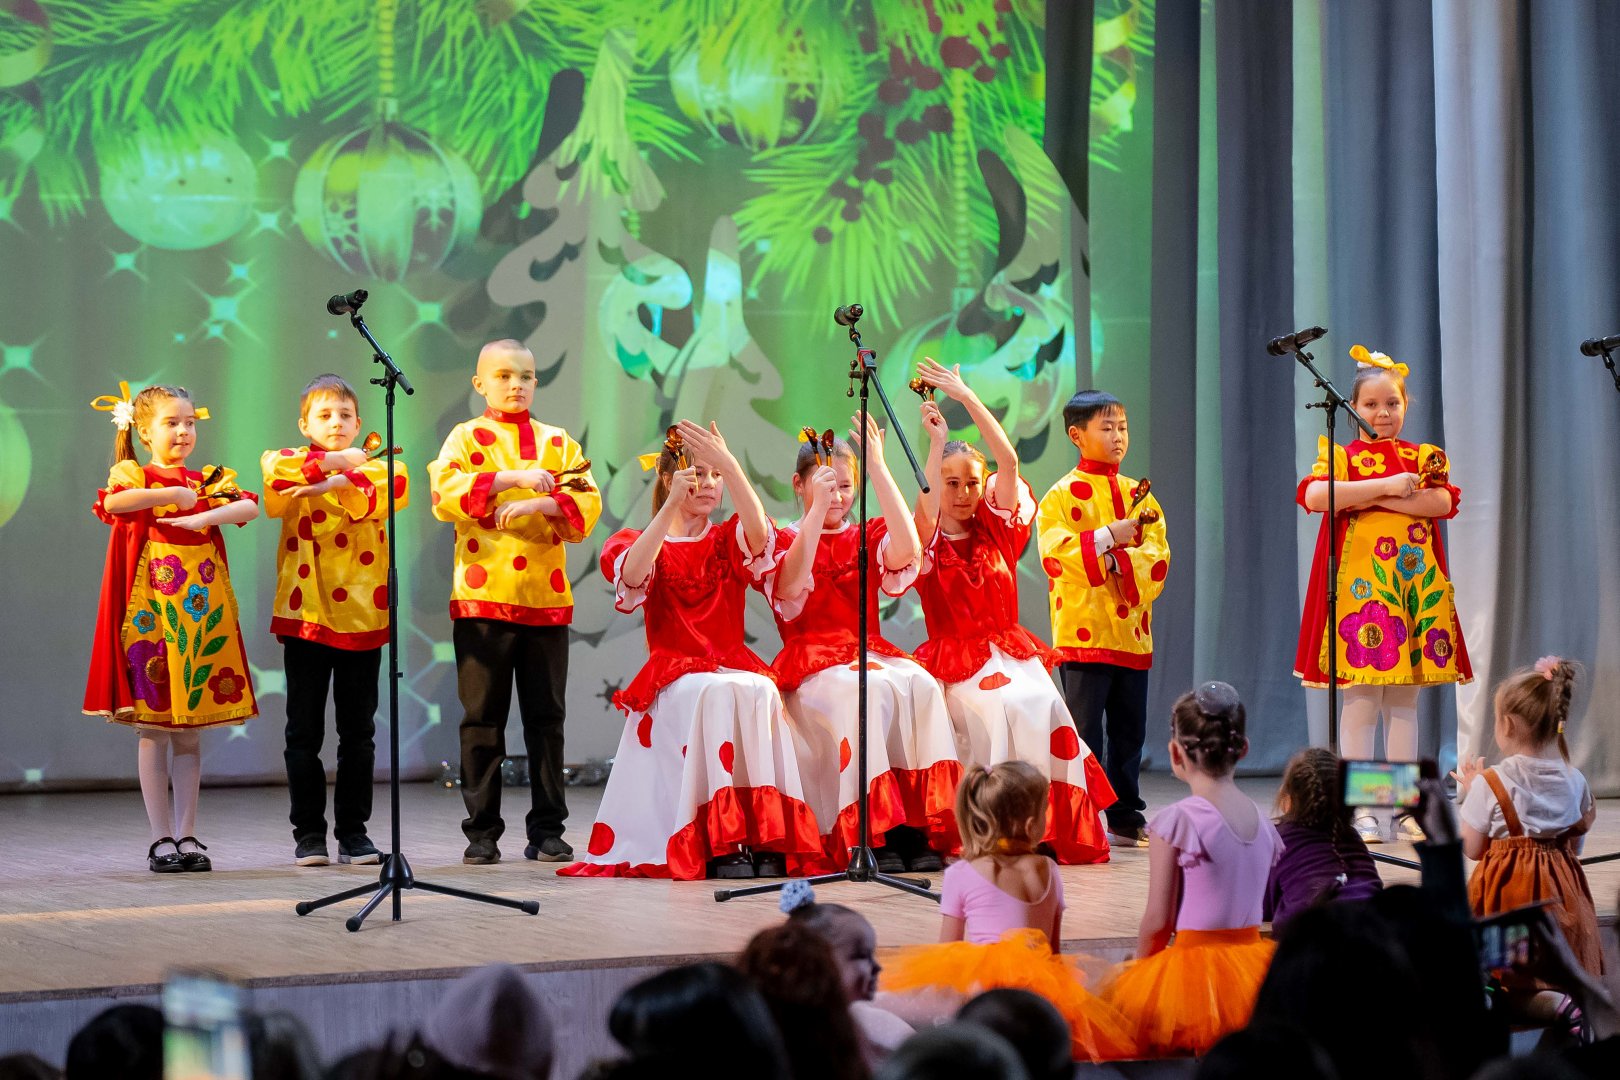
point(912, 766)
point(706, 779)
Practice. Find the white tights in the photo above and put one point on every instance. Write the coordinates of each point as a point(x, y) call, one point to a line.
point(1358, 720)
point(158, 772)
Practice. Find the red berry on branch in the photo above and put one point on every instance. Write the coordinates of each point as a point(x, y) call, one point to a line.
point(851, 212)
point(937, 118)
point(958, 52)
point(893, 91)
point(909, 131)
point(870, 125)
point(884, 176)
point(984, 74)
point(1001, 50)
point(822, 234)
point(927, 78)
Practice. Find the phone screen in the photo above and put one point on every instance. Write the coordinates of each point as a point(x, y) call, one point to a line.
point(203, 1037)
point(1379, 783)
point(1505, 940)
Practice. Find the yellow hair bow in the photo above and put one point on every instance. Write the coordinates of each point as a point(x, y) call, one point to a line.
point(1360, 355)
point(649, 462)
point(122, 407)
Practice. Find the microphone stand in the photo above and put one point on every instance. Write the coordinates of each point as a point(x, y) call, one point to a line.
point(1608, 362)
point(862, 861)
point(395, 875)
point(1332, 401)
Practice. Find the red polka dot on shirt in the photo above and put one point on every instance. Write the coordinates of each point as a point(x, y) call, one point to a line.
point(318, 516)
point(994, 681)
point(559, 583)
point(303, 570)
point(435, 498)
point(399, 487)
point(1065, 744)
point(342, 540)
point(1160, 569)
point(601, 839)
point(1080, 489)
point(367, 558)
point(296, 600)
point(476, 576)
point(1075, 513)
point(728, 755)
point(472, 544)
point(306, 530)
point(379, 598)
point(1122, 612)
point(476, 458)
point(556, 440)
point(483, 436)
point(340, 595)
point(1052, 567)
point(292, 543)
point(520, 563)
point(287, 453)
point(1082, 634)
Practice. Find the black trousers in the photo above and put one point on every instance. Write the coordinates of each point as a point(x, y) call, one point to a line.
point(352, 675)
point(490, 656)
point(1109, 706)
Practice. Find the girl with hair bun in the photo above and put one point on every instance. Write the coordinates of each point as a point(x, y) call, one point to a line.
point(1209, 857)
point(1526, 817)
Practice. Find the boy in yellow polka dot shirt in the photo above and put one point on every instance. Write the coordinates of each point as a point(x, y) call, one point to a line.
point(331, 612)
point(517, 490)
point(1107, 557)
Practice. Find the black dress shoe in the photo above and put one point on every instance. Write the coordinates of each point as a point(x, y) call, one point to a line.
point(889, 861)
point(926, 861)
point(168, 862)
point(737, 865)
point(194, 862)
point(769, 864)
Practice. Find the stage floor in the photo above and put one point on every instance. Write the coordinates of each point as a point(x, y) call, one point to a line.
point(80, 913)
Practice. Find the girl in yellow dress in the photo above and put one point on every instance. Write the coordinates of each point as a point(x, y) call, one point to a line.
point(1397, 625)
point(168, 657)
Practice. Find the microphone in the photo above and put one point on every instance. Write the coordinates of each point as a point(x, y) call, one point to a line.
point(848, 315)
point(1594, 346)
point(346, 303)
point(1293, 343)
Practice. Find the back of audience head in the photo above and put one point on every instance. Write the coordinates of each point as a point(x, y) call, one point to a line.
point(954, 1052)
point(1031, 1025)
point(686, 1012)
point(280, 1047)
point(794, 969)
point(124, 1041)
point(1267, 1050)
point(413, 1060)
point(492, 1020)
point(1535, 703)
point(27, 1067)
point(1208, 726)
point(845, 930)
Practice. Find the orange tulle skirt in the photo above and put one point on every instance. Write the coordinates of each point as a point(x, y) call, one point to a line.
point(1183, 999)
point(1022, 960)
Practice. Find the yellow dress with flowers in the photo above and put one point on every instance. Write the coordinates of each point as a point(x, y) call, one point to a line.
point(168, 648)
point(1397, 619)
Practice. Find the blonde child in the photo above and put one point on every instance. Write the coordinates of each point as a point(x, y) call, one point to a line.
point(912, 765)
point(497, 480)
point(1209, 857)
point(996, 673)
point(706, 781)
point(168, 658)
point(1525, 817)
point(331, 612)
point(1398, 626)
point(1001, 912)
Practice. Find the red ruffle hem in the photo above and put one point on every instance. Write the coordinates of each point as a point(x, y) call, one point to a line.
point(761, 818)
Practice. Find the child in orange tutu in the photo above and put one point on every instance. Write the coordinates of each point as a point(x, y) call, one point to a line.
point(1524, 820)
point(1002, 912)
point(1209, 857)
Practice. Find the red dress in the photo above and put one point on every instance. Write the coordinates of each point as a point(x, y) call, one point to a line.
point(707, 762)
point(913, 764)
point(998, 688)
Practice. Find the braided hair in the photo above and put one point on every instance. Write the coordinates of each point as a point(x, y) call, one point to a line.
point(1208, 724)
point(1309, 795)
point(1539, 698)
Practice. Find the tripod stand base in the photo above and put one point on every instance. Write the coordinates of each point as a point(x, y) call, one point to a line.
point(396, 877)
point(862, 869)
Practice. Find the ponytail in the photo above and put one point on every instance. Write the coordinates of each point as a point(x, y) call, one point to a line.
point(1539, 698)
point(995, 808)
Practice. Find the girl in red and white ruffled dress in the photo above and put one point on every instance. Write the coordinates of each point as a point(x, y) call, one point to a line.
point(1000, 694)
point(912, 764)
point(706, 778)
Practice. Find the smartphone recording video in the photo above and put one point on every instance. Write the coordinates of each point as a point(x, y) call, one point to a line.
point(203, 1037)
point(1506, 941)
point(1379, 783)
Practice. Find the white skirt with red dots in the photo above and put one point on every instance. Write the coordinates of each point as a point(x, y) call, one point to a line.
point(710, 769)
point(912, 759)
point(1010, 710)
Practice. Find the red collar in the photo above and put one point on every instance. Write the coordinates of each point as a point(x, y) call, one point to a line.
point(316, 452)
point(1097, 468)
point(507, 417)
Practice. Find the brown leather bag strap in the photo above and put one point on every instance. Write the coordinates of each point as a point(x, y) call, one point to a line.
point(1510, 816)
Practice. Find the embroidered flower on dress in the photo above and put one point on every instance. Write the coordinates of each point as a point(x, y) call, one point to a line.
point(1410, 562)
point(149, 674)
point(1417, 532)
point(227, 686)
point(1361, 588)
point(1369, 462)
point(196, 604)
point(1372, 637)
point(1385, 548)
point(144, 621)
point(166, 574)
point(1437, 646)
point(206, 571)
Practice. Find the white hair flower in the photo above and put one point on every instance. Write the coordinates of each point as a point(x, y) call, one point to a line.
point(123, 415)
